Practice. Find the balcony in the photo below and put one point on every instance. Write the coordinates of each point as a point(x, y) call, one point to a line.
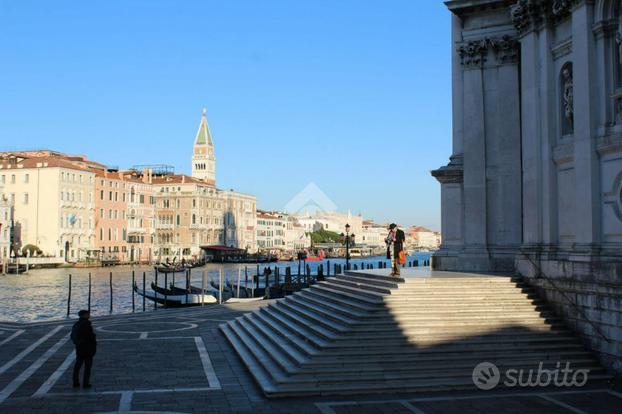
point(162, 226)
point(136, 230)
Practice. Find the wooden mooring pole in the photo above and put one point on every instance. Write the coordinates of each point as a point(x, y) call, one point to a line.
point(69, 297)
point(220, 283)
point(202, 287)
point(144, 286)
point(187, 284)
point(166, 288)
point(110, 292)
point(133, 293)
point(155, 302)
point(246, 280)
point(89, 304)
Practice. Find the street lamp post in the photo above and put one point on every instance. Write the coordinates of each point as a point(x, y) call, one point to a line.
point(347, 247)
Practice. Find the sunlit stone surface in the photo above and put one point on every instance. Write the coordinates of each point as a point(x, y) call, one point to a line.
point(534, 183)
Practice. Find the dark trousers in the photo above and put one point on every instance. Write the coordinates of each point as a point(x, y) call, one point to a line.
point(88, 363)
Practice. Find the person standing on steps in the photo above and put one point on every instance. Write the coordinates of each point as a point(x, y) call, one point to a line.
point(395, 248)
point(83, 337)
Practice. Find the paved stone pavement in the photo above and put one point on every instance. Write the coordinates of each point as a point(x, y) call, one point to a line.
point(177, 361)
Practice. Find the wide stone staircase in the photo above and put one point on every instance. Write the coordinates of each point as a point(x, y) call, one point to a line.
point(363, 333)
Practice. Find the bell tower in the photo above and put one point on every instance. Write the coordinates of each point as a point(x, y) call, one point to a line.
point(203, 160)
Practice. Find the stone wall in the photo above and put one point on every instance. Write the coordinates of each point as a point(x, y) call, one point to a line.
point(580, 291)
point(536, 164)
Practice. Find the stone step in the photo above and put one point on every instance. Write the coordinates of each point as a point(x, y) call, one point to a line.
point(336, 307)
point(321, 331)
point(295, 308)
point(358, 333)
point(279, 323)
point(275, 372)
point(381, 345)
point(327, 311)
point(261, 376)
point(365, 299)
point(473, 352)
point(386, 283)
point(355, 305)
point(285, 356)
point(366, 287)
point(378, 373)
point(472, 325)
point(463, 280)
point(460, 299)
point(433, 290)
point(437, 333)
point(331, 283)
point(409, 307)
point(392, 386)
point(449, 311)
point(332, 361)
point(441, 318)
point(370, 276)
point(298, 350)
point(458, 329)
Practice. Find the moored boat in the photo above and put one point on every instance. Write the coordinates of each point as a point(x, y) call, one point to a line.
point(13, 268)
point(170, 269)
point(176, 297)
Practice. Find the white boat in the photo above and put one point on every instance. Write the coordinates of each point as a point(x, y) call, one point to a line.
point(243, 300)
point(176, 297)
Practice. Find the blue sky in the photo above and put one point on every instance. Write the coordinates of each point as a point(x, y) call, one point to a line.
point(351, 95)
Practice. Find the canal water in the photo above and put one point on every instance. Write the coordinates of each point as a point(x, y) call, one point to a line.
point(41, 295)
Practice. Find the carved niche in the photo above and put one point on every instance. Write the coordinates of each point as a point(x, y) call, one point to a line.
point(567, 99)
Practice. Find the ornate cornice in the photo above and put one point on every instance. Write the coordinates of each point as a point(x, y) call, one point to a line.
point(475, 53)
point(452, 173)
point(532, 14)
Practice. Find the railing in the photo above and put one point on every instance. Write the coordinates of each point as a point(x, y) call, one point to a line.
point(162, 226)
point(566, 297)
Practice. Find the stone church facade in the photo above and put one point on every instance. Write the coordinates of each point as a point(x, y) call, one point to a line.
point(534, 182)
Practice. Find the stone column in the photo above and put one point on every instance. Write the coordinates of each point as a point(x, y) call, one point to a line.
point(456, 89)
point(474, 161)
point(547, 82)
point(450, 176)
point(587, 194)
point(531, 150)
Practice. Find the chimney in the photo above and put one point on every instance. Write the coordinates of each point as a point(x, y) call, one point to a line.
point(183, 179)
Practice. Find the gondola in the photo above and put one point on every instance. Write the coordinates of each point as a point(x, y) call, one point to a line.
point(214, 285)
point(177, 297)
point(193, 265)
point(245, 292)
point(13, 268)
point(170, 269)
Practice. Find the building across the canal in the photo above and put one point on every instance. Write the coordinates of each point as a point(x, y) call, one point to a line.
point(6, 220)
point(279, 232)
point(75, 209)
point(534, 183)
